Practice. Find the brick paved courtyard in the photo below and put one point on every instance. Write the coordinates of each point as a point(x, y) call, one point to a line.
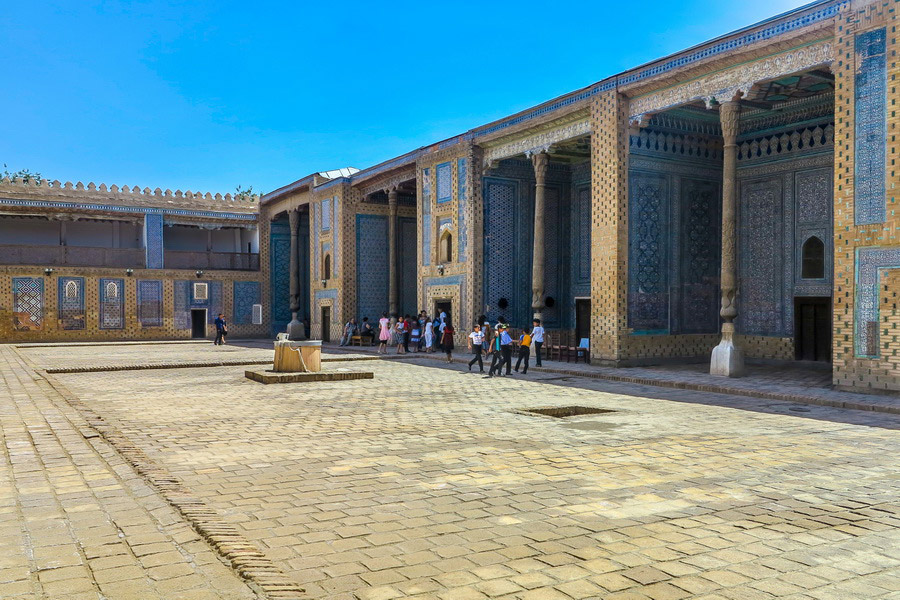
point(429, 482)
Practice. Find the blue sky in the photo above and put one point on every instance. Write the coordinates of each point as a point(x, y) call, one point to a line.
point(203, 95)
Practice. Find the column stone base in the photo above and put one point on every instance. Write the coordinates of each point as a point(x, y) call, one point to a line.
point(296, 330)
point(727, 359)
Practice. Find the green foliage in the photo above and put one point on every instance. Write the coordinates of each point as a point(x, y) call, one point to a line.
point(242, 194)
point(23, 175)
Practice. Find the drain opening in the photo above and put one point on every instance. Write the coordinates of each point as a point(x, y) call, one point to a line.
point(561, 412)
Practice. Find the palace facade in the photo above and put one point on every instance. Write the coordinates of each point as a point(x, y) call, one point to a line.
point(736, 196)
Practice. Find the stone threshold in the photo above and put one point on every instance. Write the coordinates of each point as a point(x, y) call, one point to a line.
point(852, 401)
point(266, 376)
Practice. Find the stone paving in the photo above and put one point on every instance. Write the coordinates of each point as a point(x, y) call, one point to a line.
point(430, 482)
point(76, 522)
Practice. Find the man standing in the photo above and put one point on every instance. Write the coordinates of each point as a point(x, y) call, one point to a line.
point(505, 349)
point(221, 330)
point(476, 345)
point(537, 338)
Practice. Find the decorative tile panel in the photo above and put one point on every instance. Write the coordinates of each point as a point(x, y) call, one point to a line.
point(582, 243)
point(150, 302)
point(760, 302)
point(462, 205)
point(182, 309)
point(326, 214)
point(814, 193)
point(371, 266)
point(426, 216)
point(500, 204)
point(406, 229)
point(317, 218)
point(153, 240)
point(336, 261)
point(71, 302)
point(870, 262)
point(112, 303)
point(215, 305)
point(28, 303)
point(870, 86)
point(280, 274)
point(246, 294)
point(701, 256)
point(648, 297)
point(443, 173)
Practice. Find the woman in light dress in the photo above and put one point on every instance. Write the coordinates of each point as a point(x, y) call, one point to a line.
point(384, 333)
point(399, 333)
point(429, 335)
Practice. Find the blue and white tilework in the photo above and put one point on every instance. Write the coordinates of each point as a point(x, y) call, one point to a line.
point(28, 302)
point(443, 174)
point(246, 294)
point(71, 302)
point(462, 206)
point(870, 262)
point(870, 86)
point(150, 298)
point(371, 266)
point(112, 303)
point(153, 240)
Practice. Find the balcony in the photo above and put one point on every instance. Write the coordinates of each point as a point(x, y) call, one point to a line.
point(233, 261)
point(73, 256)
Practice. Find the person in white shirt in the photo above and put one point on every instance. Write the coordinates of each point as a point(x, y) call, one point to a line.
point(476, 346)
point(537, 340)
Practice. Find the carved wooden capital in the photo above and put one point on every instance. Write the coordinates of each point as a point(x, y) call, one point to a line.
point(541, 161)
point(730, 116)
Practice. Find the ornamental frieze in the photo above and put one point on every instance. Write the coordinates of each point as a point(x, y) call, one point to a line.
point(725, 85)
point(539, 142)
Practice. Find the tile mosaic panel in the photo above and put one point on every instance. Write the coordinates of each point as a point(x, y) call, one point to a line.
point(326, 214)
point(648, 293)
point(443, 173)
point(153, 240)
point(406, 228)
point(462, 207)
point(182, 308)
point(280, 276)
point(215, 304)
point(582, 245)
point(317, 217)
point(150, 302)
point(426, 217)
point(112, 303)
point(701, 256)
point(760, 301)
point(870, 85)
point(28, 303)
point(501, 202)
point(246, 294)
point(71, 303)
point(371, 266)
point(336, 263)
point(552, 256)
point(870, 262)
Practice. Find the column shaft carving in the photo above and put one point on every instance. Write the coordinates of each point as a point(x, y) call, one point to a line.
point(727, 359)
point(540, 161)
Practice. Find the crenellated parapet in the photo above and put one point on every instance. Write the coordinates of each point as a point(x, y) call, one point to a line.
point(125, 196)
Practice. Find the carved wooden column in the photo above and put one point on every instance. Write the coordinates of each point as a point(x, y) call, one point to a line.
point(540, 161)
point(393, 288)
point(296, 330)
point(727, 359)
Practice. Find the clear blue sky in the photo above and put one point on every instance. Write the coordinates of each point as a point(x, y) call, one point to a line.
point(206, 95)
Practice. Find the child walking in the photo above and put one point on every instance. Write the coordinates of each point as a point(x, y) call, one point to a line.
point(447, 339)
point(476, 346)
point(524, 351)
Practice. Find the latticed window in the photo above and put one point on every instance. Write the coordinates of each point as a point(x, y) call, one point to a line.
point(201, 291)
point(112, 290)
point(71, 290)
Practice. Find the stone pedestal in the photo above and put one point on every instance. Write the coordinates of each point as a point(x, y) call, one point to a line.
point(297, 357)
point(727, 359)
point(296, 330)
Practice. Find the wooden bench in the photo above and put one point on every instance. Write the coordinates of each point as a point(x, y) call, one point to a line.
point(358, 340)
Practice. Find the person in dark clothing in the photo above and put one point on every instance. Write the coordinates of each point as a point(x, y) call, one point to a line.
point(537, 340)
point(407, 332)
point(524, 351)
point(447, 339)
point(506, 349)
point(221, 330)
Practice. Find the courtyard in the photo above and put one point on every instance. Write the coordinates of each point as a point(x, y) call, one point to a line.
point(428, 482)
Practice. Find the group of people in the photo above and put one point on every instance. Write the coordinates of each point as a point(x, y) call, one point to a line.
point(422, 332)
point(499, 344)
